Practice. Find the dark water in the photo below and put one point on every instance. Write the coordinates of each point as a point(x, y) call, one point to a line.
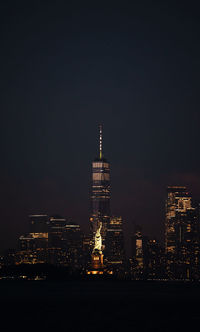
point(100, 306)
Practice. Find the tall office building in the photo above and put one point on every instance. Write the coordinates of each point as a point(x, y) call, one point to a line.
point(100, 194)
point(182, 241)
point(138, 247)
point(178, 200)
point(187, 252)
point(33, 245)
point(114, 251)
point(56, 251)
point(56, 229)
point(73, 244)
point(138, 243)
point(154, 259)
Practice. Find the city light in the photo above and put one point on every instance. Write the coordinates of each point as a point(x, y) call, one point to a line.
point(60, 242)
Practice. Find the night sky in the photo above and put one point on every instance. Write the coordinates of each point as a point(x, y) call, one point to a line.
point(65, 68)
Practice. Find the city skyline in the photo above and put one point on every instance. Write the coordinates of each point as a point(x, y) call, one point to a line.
point(100, 170)
point(67, 68)
point(177, 198)
point(58, 243)
point(158, 233)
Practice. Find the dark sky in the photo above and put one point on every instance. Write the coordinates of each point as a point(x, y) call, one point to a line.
point(65, 68)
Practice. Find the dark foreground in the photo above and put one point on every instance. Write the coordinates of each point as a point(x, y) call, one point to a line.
point(100, 306)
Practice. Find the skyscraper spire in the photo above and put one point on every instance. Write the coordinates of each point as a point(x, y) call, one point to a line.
point(100, 142)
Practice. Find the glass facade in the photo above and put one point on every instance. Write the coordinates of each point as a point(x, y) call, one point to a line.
point(178, 200)
point(114, 252)
point(100, 197)
point(181, 235)
point(100, 194)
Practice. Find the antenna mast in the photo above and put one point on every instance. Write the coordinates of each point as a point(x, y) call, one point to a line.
point(100, 141)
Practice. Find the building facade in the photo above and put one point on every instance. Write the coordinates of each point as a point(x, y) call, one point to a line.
point(182, 239)
point(114, 251)
point(178, 200)
point(100, 194)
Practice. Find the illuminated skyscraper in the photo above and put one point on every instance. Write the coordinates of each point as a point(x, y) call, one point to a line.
point(137, 247)
point(100, 193)
point(187, 244)
point(33, 245)
point(56, 229)
point(154, 259)
point(181, 234)
point(73, 244)
point(114, 251)
point(178, 200)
